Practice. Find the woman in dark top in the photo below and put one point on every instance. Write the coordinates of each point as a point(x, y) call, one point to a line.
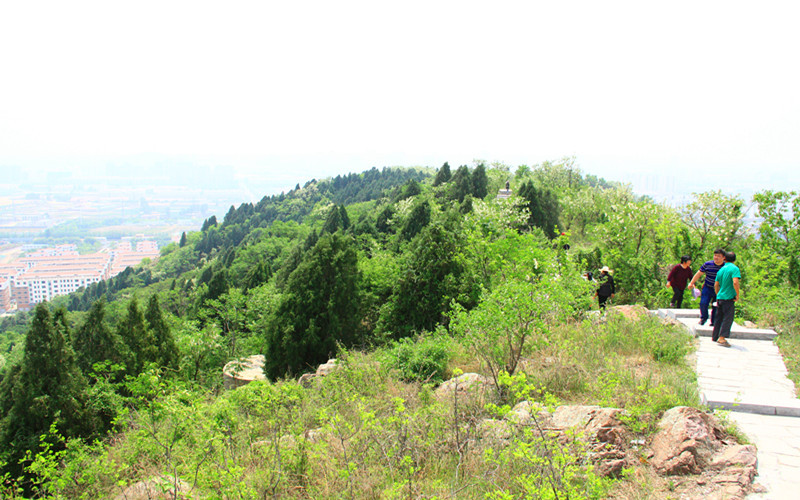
point(606, 289)
point(677, 279)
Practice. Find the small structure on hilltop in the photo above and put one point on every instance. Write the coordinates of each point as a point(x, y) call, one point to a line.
point(504, 193)
point(243, 371)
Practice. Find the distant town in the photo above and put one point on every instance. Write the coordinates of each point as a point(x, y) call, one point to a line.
point(49, 272)
point(64, 229)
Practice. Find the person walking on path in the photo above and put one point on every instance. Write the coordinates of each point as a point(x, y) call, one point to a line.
point(709, 268)
point(606, 289)
point(677, 279)
point(726, 287)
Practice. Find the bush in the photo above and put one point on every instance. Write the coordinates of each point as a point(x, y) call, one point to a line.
point(423, 359)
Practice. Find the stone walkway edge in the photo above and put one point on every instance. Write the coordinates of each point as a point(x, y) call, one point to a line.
point(748, 377)
point(750, 380)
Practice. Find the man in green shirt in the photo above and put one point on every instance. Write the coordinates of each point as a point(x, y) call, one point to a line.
point(726, 285)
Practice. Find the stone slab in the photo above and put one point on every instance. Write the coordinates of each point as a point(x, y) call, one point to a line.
point(749, 377)
point(777, 439)
point(677, 313)
point(737, 332)
point(751, 381)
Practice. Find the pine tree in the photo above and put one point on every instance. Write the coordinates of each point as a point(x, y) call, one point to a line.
point(319, 309)
point(480, 182)
point(382, 221)
point(217, 285)
point(48, 388)
point(140, 348)
point(257, 275)
point(419, 217)
point(333, 222)
point(344, 218)
point(433, 276)
point(461, 184)
point(442, 175)
point(544, 208)
point(183, 240)
point(167, 355)
point(94, 342)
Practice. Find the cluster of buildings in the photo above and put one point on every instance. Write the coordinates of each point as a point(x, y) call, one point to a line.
point(49, 272)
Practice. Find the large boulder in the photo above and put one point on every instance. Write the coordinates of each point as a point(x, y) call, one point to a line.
point(157, 488)
point(633, 312)
point(307, 379)
point(691, 442)
point(243, 371)
point(472, 386)
point(527, 413)
point(601, 425)
point(686, 441)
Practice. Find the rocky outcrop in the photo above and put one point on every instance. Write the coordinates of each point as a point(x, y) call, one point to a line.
point(690, 442)
point(686, 442)
point(631, 312)
point(322, 370)
point(157, 488)
point(598, 427)
point(467, 385)
point(243, 371)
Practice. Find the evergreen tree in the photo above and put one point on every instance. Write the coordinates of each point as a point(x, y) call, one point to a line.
point(412, 188)
point(140, 346)
point(229, 217)
point(442, 175)
point(433, 276)
point(344, 218)
point(382, 222)
point(466, 205)
point(183, 240)
point(167, 355)
point(333, 222)
point(206, 275)
point(419, 217)
point(257, 275)
point(94, 342)
point(544, 208)
point(319, 309)
point(480, 182)
point(48, 388)
point(461, 184)
point(218, 285)
point(210, 222)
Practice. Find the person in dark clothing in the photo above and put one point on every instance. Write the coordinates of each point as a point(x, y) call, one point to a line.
point(708, 296)
point(606, 289)
point(677, 280)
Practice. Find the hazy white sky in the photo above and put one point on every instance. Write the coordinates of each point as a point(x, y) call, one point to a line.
point(675, 88)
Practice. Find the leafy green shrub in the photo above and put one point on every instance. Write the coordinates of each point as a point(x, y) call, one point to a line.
point(670, 348)
point(423, 359)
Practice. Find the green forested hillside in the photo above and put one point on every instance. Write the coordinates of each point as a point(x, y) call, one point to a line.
point(408, 276)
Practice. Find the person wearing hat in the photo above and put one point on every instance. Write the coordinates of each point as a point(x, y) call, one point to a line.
point(606, 289)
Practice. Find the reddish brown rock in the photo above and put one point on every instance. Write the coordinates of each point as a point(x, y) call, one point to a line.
point(685, 430)
point(631, 312)
point(736, 455)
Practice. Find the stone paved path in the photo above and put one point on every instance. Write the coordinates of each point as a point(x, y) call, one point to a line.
point(750, 380)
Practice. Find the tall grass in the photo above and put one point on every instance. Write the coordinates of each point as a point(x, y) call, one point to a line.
point(366, 431)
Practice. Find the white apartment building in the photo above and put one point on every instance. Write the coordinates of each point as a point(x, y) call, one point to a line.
point(44, 284)
point(46, 274)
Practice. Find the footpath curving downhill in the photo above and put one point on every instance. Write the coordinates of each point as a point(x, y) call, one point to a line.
point(749, 379)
